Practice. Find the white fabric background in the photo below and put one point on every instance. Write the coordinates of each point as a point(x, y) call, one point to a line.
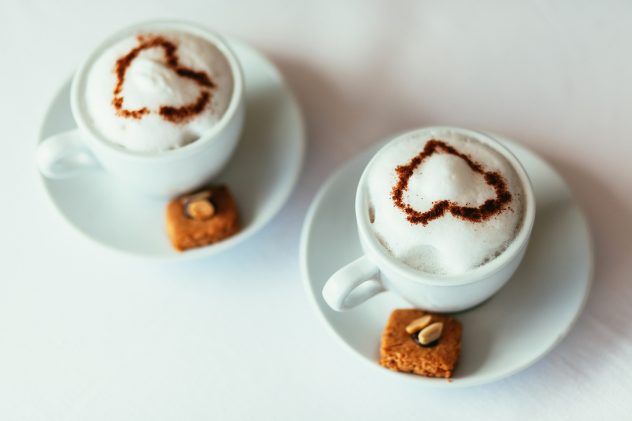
point(88, 334)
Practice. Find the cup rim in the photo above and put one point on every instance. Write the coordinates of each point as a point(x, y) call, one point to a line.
point(384, 259)
point(78, 86)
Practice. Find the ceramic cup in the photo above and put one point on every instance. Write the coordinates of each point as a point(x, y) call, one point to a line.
point(377, 270)
point(162, 174)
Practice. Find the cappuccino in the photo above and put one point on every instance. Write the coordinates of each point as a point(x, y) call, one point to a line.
point(158, 91)
point(444, 202)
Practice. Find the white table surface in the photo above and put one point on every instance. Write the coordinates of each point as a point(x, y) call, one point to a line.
point(88, 334)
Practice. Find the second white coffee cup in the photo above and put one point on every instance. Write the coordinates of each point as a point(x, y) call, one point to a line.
point(377, 270)
point(163, 174)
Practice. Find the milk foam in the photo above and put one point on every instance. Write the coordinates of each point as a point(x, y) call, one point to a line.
point(150, 83)
point(446, 245)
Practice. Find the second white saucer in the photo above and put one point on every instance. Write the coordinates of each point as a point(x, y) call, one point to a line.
point(261, 174)
point(502, 336)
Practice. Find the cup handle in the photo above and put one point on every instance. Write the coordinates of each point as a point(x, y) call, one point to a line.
point(64, 155)
point(353, 284)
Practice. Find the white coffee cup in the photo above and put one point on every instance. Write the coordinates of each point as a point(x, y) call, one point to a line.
point(377, 270)
point(162, 174)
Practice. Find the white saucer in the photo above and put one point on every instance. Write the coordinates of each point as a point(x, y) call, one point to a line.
point(502, 336)
point(261, 174)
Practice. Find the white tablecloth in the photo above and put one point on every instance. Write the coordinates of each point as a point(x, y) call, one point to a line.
point(89, 334)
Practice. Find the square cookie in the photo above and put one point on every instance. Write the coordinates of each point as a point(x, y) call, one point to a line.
point(202, 218)
point(401, 351)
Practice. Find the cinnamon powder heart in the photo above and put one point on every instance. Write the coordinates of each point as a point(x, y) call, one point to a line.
point(168, 112)
point(439, 208)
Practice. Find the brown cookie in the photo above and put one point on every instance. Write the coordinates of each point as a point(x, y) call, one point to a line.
point(202, 218)
point(401, 351)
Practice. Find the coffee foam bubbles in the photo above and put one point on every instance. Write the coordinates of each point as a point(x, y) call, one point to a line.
point(149, 82)
point(446, 245)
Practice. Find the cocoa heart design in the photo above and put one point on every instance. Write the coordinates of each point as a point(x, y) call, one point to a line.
point(488, 209)
point(167, 112)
